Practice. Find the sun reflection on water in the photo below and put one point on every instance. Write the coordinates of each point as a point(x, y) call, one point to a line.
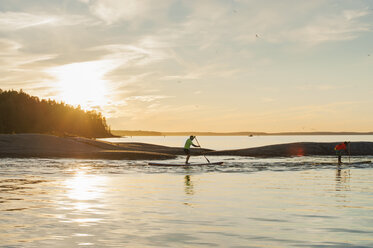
point(84, 198)
point(85, 187)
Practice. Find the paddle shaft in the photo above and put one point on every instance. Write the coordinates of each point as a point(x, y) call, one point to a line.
point(201, 147)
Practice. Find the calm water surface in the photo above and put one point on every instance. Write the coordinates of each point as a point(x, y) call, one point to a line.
point(237, 142)
point(247, 202)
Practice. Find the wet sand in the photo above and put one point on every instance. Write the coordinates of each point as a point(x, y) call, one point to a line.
point(49, 146)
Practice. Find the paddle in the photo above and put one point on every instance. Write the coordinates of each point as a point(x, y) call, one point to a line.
point(349, 153)
point(201, 147)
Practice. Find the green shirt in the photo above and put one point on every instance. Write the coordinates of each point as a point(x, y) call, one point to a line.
point(188, 143)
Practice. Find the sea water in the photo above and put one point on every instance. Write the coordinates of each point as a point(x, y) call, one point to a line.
point(239, 142)
point(246, 202)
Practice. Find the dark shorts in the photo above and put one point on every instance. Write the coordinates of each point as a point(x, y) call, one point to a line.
point(339, 152)
point(187, 152)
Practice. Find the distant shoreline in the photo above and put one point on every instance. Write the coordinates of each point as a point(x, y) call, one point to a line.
point(155, 133)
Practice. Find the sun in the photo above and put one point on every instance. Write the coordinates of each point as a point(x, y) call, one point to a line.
point(82, 83)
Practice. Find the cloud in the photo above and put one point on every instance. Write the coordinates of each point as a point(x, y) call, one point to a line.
point(14, 59)
point(109, 70)
point(131, 60)
point(354, 14)
point(113, 11)
point(21, 69)
point(149, 98)
point(338, 27)
point(210, 47)
point(188, 76)
point(145, 51)
point(10, 21)
point(20, 20)
point(8, 46)
point(238, 23)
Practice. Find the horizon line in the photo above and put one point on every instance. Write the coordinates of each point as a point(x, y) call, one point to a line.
point(247, 132)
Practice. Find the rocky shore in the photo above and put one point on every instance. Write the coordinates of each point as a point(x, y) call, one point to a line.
point(49, 146)
point(299, 149)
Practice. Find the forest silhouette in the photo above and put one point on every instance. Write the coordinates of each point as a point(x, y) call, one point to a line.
point(23, 113)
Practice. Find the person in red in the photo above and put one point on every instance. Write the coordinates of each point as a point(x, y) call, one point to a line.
point(340, 149)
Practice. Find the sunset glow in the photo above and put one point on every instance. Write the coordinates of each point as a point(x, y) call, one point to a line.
point(82, 83)
point(270, 66)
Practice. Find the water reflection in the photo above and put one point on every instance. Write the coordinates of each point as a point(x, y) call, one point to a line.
point(84, 198)
point(85, 187)
point(15, 191)
point(189, 188)
point(342, 178)
point(84, 203)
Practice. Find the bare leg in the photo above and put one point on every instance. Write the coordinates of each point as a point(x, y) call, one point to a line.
point(339, 159)
point(187, 159)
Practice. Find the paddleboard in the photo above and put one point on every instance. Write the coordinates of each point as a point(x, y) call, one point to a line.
point(346, 163)
point(184, 164)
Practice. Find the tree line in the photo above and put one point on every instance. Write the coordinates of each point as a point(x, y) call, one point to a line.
point(23, 113)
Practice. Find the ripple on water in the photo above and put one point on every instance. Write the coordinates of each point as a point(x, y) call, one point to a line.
point(283, 202)
point(231, 165)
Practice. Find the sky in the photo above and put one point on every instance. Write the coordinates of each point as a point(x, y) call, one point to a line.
point(196, 65)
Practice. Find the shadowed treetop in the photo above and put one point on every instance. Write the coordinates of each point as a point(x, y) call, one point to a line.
point(22, 113)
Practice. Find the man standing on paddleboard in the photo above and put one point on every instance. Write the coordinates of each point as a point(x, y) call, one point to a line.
point(188, 143)
point(339, 149)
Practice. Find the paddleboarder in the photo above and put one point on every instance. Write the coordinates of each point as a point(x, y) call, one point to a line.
point(340, 149)
point(188, 144)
